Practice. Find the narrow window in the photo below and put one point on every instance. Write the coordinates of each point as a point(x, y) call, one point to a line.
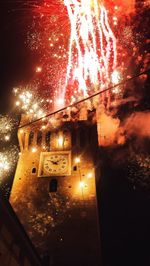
point(23, 140)
point(47, 140)
point(39, 138)
point(53, 185)
point(33, 170)
point(31, 136)
point(75, 168)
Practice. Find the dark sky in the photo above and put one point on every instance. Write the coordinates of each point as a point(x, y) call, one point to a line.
point(16, 60)
point(124, 212)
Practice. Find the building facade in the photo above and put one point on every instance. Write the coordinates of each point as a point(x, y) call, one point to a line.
point(54, 188)
point(15, 247)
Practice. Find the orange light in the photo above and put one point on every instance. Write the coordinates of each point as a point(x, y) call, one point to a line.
point(82, 184)
point(34, 149)
point(77, 160)
point(89, 175)
point(7, 137)
point(60, 141)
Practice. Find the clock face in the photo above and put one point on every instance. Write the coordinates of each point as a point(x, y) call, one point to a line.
point(55, 164)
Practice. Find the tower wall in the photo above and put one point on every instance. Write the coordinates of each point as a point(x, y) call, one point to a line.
point(58, 211)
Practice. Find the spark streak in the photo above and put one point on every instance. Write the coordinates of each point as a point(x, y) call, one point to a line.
point(92, 48)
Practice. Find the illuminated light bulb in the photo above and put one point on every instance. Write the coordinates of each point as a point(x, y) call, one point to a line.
point(34, 149)
point(17, 103)
point(82, 184)
point(60, 141)
point(38, 69)
point(77, 160)
point(116, 7)
point(51, 44)
point(43, 127)
point(89, 175)
point(19, 153)
point(7, 137)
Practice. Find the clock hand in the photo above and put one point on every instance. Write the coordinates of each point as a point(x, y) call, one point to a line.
point(53, 162)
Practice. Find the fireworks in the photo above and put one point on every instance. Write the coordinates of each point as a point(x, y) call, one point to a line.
point(92, 50)
point(29, 102)
point(77, 48)
point(4, 164)
point(8, 159)
point(9, 152)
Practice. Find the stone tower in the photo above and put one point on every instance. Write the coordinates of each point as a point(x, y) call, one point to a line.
point(54, 188)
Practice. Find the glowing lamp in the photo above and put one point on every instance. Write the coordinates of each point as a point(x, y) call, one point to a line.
point(77, 160)
point(89, 175)
point(60, 141)
point(82, 184)
point(43, 127)
point(34, 149)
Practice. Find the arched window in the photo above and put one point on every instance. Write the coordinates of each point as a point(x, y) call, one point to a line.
point(39, 138)
point(33, 170)
point(53, 185)
point(31, 136)
point(75, 168)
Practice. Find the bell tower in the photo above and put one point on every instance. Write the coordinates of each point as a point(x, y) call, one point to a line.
point(54, 188)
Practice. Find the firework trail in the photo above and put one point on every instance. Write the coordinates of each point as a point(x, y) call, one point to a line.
point(92, 49)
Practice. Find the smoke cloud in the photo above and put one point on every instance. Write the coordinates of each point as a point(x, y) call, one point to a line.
point(138, 124)
point(112, 132)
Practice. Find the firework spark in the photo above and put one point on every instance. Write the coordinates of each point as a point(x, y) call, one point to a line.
point(92, 49)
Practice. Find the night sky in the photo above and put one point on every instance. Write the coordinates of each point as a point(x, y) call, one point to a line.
point(124, 202)
point(17, 61)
